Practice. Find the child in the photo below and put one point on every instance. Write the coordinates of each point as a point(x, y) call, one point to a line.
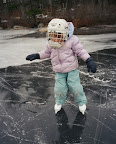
point(63, 48)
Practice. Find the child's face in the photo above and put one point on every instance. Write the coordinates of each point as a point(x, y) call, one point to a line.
point(56, 37)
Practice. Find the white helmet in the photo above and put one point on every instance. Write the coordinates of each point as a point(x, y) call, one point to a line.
point(57, 32)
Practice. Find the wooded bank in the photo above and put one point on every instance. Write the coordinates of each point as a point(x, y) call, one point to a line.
point(29, 13)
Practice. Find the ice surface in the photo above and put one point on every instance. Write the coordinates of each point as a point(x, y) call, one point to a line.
point(27, 94)
point(27, 105)
point(14, 49)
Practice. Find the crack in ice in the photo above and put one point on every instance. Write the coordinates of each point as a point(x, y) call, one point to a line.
point(96, 79)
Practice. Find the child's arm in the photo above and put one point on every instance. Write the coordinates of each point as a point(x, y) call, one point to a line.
point(40, 55)
point(79, 50)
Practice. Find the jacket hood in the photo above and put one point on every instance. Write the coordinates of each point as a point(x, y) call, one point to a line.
point(70, 29)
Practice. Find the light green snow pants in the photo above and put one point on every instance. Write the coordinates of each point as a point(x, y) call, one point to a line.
point(71, 81)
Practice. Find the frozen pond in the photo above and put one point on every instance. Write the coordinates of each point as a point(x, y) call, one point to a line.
point(14, 50)
point(27, 94)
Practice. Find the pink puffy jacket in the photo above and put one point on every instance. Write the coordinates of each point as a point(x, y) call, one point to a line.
point(64, 59)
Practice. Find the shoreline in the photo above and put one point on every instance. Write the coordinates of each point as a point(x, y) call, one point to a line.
point(104, 29)
point(101, 29)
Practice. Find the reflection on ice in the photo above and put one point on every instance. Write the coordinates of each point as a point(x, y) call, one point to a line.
point(70, 134)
